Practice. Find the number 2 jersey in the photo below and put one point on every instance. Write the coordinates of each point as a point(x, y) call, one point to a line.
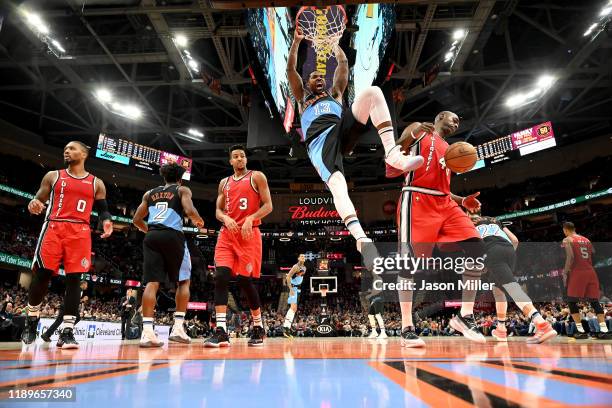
point(492, 231)
point(241, 198)
point(165, 208)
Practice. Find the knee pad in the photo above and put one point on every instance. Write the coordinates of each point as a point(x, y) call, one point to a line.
point(248, 288)
point(597, 308)
point(73, 294)
point(222, 277)
point(573, 307)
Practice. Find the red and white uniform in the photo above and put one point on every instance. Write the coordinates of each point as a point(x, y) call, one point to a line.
point(243, 257)
point(582, 281)
point(66, 236)
point(426, 214)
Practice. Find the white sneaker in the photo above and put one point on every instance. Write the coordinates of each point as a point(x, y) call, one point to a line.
point(178, 335)
point(396, 159)
point(409, 338)
point(149, 339)
point(382, 335)
point(467, 326)
point(373, 334)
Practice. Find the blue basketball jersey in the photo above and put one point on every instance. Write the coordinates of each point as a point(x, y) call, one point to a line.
point(165, 208)
point(297, 280)
point(491, 230)
point(321, 113)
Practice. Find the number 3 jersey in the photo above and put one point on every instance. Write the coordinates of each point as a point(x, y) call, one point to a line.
point(241, 198)
point(71, 198)
point(165, 208)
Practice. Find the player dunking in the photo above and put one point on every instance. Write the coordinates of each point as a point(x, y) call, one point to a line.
point(330, 130)
point(65, 237)
point(429, 213)
point(243, 200)
point(165, 254)
point(581, 280)
point(500, 244)
point(294, 279)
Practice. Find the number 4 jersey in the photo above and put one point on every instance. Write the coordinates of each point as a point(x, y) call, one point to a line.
point(165, 208)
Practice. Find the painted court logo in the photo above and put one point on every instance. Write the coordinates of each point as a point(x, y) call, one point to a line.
point(91, 331)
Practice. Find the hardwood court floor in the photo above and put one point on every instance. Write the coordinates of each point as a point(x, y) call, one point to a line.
point(335, 372)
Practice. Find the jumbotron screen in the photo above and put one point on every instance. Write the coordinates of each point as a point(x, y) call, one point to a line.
point(515, 145)
point(143, 157)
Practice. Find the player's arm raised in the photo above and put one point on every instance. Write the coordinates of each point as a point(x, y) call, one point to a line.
point(141, 212)
point(295, 80)
point(188, 208)
point(341, 73)
point(261, 182)
point(100, 204)
point(225, 219)
point(36, 205)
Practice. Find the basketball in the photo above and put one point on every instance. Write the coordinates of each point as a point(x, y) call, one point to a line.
point(460, 157)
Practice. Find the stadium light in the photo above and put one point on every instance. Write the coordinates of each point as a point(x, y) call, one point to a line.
point(104, 95)
point(195, 133)
point(180, 40)
point(542, 85)
point(590, 29)
point(458, 34)
point(607, 10)
point(129, 111)
point(545, 81)
point(42, 31)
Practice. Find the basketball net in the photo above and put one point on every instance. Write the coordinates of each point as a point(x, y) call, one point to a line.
point(323, 293)
point(323, 27)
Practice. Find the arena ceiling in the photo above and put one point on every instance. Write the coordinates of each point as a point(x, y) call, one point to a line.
point(126, 45)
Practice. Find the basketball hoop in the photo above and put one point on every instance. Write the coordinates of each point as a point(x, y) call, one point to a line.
point(323, 27)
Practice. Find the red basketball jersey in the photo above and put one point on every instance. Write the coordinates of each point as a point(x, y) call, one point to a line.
point(433, 174)
point(241, 198)
point(71, 198)
point(583, 252)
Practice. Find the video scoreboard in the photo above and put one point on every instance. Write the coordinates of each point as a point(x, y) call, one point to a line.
point(515, 145)
point(143, 157)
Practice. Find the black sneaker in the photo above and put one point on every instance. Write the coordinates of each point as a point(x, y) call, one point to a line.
point(287, 332)
point(66, 340)
point(46, 338)
point(218, 339)
point(604, 336)
point(409, 338)
point(30, 330)
point(467, 326)
point(580, 336)
point(257, 337)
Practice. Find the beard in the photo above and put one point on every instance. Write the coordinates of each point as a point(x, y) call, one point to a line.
point(68, 161)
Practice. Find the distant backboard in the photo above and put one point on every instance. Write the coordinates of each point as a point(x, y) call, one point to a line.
point(317, 282)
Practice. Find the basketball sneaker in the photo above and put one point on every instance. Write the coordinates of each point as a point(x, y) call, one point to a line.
point(66, 339)
point(28, 336)
point(544, 331)
point(580, 335)
point(382, 335)
point(409, 338)
point(149, 339)
point(373, 334)
point(218, 339)
point(257, 337)
point(400, 161)
point(45, 338)
point(604, 336)
point(287, 333)
point(467, 326)
point(499, 335)
point(178, 335)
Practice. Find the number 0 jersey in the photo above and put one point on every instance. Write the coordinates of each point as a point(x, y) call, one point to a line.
point(241, 198)
point(71, 198)
point(165, 208)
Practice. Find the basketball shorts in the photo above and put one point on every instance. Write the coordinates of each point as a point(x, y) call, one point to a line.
point(66, 243)
point(166, 257)
point(326, 151)
point(294, 299)
point(376, 306)
point(242, 257)
point(583, 284)
point(500, 262)
point(425, 219)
